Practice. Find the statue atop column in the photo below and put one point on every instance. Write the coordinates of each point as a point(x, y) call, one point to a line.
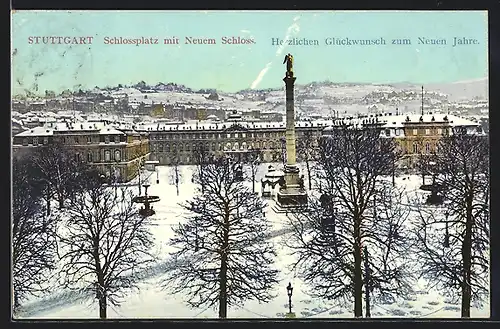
point(289, 65)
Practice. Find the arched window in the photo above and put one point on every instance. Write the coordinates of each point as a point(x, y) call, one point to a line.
point(415, 148)
point(107, 155)
point(427, 148)
point(117, 155)
point(89, 157)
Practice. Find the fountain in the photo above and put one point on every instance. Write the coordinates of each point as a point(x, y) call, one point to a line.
point(146, 200)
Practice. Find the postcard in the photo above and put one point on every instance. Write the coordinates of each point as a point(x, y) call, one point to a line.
point(250, 164)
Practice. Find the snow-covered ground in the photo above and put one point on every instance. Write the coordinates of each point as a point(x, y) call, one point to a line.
point(150, 301)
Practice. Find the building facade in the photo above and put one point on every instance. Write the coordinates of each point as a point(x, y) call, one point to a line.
point(179, 142)
point(415, 134)
point(114, 151)
point(120, 149)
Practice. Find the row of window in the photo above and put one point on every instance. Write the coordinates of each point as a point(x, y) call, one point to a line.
point(399, 132)
point(429, 131)
point(70, 140)
point(166, 147)
point(416, 147)
point(36, 141)
point(223, 135)
point(117, 156)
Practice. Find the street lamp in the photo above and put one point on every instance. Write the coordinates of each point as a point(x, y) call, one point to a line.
point(289, 290)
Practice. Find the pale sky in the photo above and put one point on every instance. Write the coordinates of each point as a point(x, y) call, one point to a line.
point(39, 67)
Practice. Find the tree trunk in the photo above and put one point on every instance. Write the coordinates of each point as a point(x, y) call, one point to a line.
point(202, 181)
point(367, 284)
point(48, 201)
point(101, 295)
point(308, 167)
point(358, 280)
point(177, 180)
point(223, 270)
point(101, 291)
point(393, 172)
point(467, 261)
point(60, 197)
point(103, 307)
point(253, 183)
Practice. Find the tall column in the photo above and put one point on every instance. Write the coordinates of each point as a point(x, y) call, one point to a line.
point(291, 195)
point(290, 120)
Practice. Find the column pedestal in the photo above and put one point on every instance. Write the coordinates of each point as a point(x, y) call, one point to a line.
point(292, 197)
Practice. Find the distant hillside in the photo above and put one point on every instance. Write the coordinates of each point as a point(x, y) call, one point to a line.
point(461, 90)
point(471, 89)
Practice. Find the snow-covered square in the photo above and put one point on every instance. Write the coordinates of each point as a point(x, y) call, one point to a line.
point(153, 301)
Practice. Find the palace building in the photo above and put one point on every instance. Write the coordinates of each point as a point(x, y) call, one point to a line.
point(116, 150)
point(415, 133)
point(168, 141)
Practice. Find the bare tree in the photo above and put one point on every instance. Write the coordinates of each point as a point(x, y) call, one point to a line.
point(307, 151)
point(358, 208)
point(105, 242)
point(426, 165)
point(175, 170)
point(454, 241)
point(56, 167)
point(253, 161)
point(33, 243)
point(202, 158)
point(222, 248)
